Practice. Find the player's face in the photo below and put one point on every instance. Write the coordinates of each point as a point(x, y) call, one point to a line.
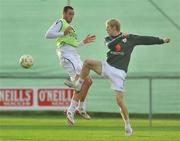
point(68, 16)
point(109, 30)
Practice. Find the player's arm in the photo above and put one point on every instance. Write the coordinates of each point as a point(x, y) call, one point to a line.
point(53, 31)
point(148, 40)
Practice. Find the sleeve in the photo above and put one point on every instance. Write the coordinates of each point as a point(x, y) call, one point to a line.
point(145, 40)
point(81, 44)
point(53, 31)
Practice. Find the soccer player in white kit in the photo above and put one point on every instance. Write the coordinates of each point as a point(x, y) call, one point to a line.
point(67, 43)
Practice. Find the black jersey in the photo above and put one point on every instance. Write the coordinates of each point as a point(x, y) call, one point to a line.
point(121, 47)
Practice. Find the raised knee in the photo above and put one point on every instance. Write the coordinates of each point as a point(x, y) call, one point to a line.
point(87, 62)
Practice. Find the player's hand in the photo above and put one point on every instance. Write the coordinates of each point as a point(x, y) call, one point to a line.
point(68, 30)
point(89, 39)
point(167, 40)
point(125, 35)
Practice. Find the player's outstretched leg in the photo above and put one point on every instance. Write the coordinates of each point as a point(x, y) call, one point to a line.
point(78, 85)
point(87, 66)
point(124, 113)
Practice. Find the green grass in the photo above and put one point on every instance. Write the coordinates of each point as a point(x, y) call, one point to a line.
point(53, 128)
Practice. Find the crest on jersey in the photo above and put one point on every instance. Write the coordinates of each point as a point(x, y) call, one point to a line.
point(124, 40)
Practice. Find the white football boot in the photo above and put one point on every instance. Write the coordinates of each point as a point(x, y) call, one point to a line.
point(75, 85)
point(128, 130)
point(83, 114)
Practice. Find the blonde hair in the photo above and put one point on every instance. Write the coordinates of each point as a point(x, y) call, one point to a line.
point(114, 23)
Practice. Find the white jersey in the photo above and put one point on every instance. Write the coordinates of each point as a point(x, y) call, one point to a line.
point(53, 32)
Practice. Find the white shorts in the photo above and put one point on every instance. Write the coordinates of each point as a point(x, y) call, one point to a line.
point(72, 64)
point(116, 76)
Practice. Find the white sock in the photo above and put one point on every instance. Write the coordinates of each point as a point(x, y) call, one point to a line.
point(127, 121)
point(79, 82)
point(82, 106)
point(73, 106)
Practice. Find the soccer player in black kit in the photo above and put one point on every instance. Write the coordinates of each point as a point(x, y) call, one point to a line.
point(116, 66)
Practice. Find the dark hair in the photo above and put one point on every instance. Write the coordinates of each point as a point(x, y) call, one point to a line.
point(66, 8)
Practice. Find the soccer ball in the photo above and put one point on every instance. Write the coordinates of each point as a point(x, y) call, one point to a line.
point(26, 61)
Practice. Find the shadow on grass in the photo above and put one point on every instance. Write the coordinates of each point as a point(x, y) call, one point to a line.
point(88, 127)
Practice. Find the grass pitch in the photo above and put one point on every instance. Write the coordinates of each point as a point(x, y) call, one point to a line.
point(53, 128)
